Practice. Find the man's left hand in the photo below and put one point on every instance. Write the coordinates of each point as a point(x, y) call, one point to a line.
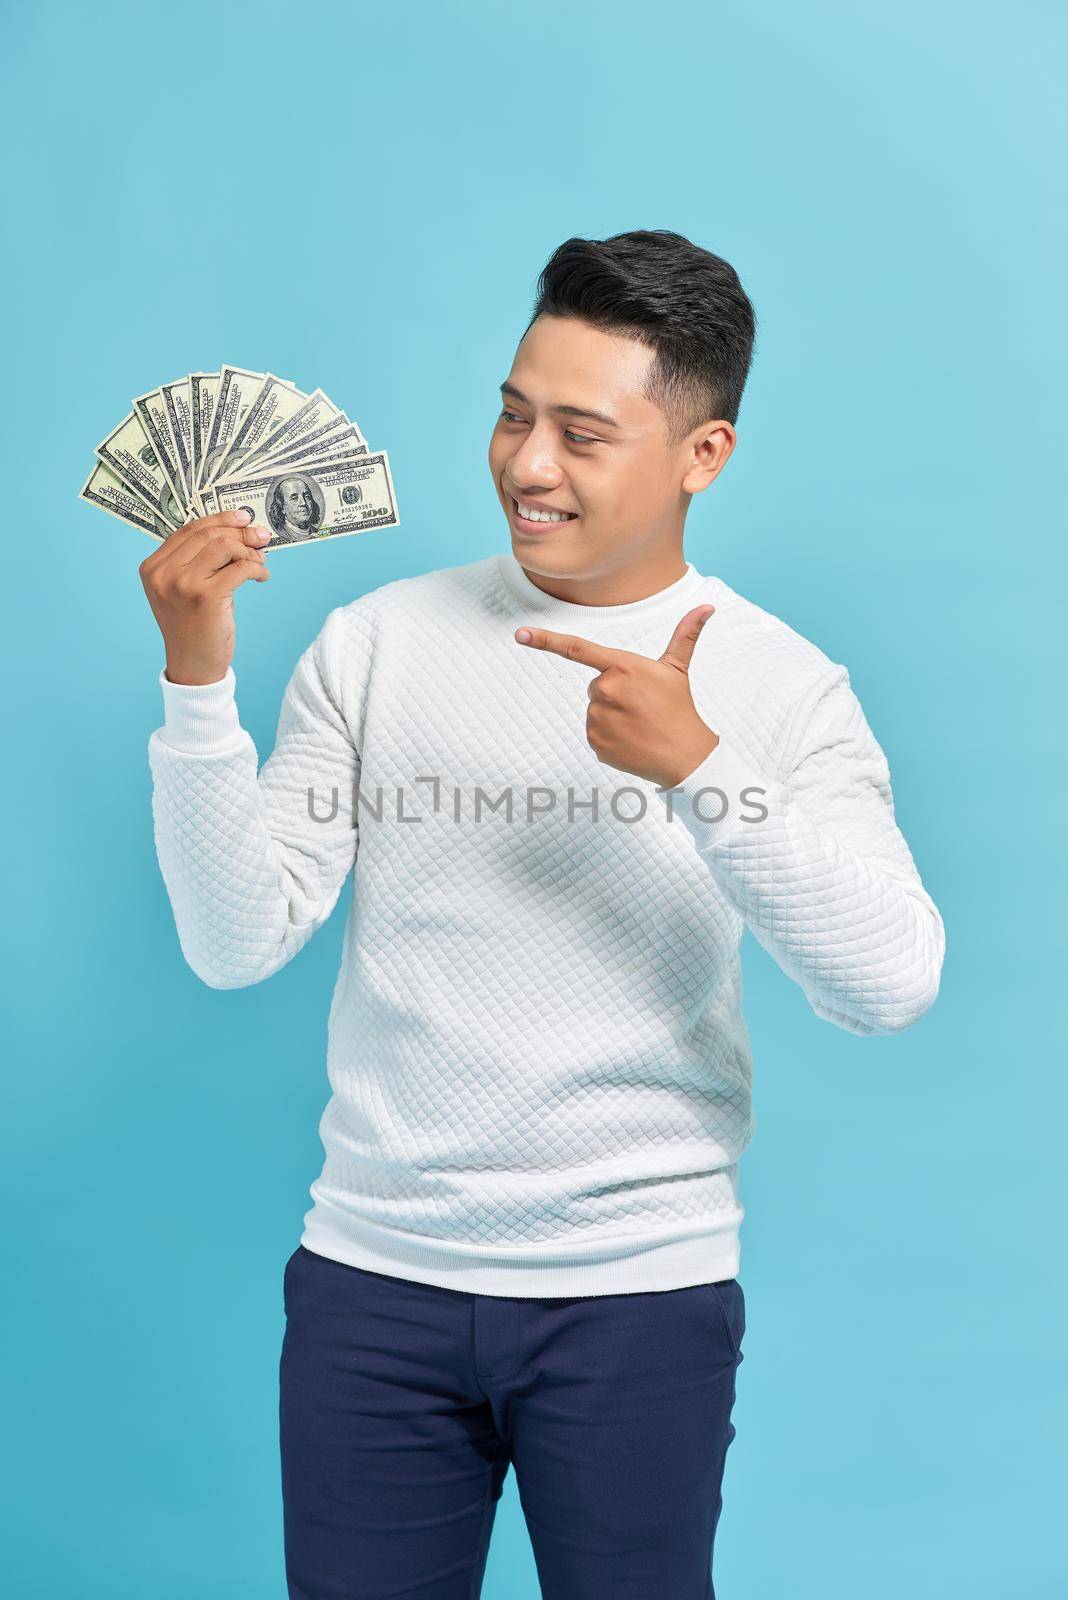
point(641, 717)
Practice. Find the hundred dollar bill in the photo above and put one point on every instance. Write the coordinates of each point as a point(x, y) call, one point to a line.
point(152, 414)
point(304, 505)
point(102, 488)
point(275, 402)
point(237, 390)
point(314, 416)
point(203, 393)
point(128, 453)
point(339, 434)
point(318, 438)
point(338, 445)
point(176, 405)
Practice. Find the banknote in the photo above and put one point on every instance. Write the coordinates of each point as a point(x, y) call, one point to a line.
point(176, 409)
point(203, 393)
point(238, 387)
point(102, 488)
point(317, 438)
point(301, 505)
point(315, 415)
point(152, 414)
point(129, 453)
point(338, 444)
point(273, 404)
point(215, 440)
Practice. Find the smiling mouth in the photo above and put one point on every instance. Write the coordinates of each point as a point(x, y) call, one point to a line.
point(529, 516)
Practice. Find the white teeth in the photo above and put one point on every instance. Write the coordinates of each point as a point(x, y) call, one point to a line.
point(531, 515)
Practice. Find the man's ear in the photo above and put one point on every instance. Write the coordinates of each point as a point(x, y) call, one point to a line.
point(705, 453)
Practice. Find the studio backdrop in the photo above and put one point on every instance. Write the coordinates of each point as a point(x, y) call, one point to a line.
point(359, 198)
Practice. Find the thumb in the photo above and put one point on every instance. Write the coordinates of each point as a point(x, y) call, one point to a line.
point(680, 648)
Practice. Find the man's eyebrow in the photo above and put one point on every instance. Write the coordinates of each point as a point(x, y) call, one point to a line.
point(566, 411)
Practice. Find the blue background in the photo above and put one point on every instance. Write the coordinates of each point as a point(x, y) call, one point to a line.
point(361, 197)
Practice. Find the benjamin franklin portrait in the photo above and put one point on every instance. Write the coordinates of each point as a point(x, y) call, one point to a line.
point(295, 508)
point(172, 507)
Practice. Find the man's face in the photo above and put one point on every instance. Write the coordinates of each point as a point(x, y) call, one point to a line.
point(619, 478)
point(297, 502)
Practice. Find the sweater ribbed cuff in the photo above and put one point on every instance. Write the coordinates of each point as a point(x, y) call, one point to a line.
point(710, 801)
point(200, 718)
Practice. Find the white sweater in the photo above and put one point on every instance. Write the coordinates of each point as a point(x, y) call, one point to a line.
point(540, 1071)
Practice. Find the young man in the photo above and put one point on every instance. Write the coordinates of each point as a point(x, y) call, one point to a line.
point(582, 769)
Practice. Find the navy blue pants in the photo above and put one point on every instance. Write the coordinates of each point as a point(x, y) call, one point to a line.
point(402, 1406)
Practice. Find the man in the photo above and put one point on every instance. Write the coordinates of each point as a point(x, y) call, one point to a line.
point(566, 777)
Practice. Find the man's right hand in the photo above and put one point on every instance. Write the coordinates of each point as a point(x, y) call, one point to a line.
point(190, 582)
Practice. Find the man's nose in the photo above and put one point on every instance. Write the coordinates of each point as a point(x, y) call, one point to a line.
point(534, 465)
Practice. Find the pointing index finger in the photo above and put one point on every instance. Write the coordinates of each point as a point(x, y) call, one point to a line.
point(569, 645)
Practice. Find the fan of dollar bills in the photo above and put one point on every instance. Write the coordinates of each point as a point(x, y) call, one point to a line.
point(233, 439)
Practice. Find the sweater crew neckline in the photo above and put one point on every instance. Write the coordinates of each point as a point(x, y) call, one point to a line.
point(678, 597)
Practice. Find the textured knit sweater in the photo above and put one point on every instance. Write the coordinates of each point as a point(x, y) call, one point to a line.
point(540, 1070)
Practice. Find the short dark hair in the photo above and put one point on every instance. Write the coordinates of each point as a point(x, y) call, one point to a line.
point(684, 303)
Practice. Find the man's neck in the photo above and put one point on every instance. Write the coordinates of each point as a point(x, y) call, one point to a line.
point(613, 586)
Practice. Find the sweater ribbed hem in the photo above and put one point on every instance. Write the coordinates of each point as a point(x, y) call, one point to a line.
point(678, 1257)
point(200, 718)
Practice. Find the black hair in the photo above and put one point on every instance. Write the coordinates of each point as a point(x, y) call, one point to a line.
point(684, 303)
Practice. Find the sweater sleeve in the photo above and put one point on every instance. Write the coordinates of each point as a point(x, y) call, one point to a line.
point(254, 862)
point(822, 874)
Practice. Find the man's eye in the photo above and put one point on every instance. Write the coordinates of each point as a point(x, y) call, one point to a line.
point(569, 433)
